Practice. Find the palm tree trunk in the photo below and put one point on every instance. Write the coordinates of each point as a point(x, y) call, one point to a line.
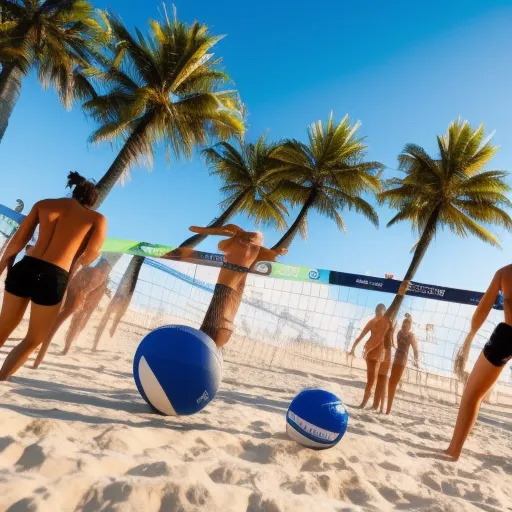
point(122, 161)
point(426, 237)
point(288, 237)
point(234, 207)
point(10, 89)
point(124, 294)
point(122, 297)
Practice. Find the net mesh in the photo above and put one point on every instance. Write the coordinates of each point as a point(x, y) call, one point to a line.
point(284, 322)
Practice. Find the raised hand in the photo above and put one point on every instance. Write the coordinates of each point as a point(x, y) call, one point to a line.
point(227, 230)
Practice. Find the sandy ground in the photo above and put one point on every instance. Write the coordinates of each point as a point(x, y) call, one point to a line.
point(76, 436)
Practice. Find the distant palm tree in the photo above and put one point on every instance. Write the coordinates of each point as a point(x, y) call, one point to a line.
point(165, 87)
point(59, 38)
point(248, 173)
point(449, 190)
point(250, 180)
point(328, 175)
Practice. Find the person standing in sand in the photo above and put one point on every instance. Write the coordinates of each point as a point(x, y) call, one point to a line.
point(242, 250)
point(382, 379)
point(70, 235)
point(404, 340)
point(496, 353)
point(374, 348)
point(84, 293)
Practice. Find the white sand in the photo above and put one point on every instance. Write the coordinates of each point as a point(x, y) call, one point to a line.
point(76, 436)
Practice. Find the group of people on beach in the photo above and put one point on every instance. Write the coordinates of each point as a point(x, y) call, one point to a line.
point(496, 353)
point(56, 279)
point(377, 353)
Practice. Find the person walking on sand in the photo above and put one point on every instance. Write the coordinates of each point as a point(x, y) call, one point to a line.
point(84, 293)
point(404, 340)
point(496, 353)
point(242, 250)
point(70, 235)
point(374, 348)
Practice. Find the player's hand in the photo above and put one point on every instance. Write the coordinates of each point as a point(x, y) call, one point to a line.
point(282, 251)
point(404, 287)
point(462, 356)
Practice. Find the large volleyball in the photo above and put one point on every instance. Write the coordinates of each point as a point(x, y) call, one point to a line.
point(177, 370)
point(316, 419)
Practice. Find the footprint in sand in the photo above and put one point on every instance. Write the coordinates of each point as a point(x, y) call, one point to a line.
point(33, 456)
point(232, 476)
point(198, 495)
point(262, 453)
point(5, 442)
point(153, 470)
point(24, 505)
point(258, 504)
point(96, 497)
point(388, 466)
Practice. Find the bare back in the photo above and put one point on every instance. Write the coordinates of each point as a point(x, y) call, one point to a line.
point(378, 329)
point(66, 229)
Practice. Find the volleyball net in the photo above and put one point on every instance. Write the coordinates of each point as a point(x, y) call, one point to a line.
point(286, 323)
point(291, 315)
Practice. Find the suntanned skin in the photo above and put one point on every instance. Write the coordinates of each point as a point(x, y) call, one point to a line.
point(382, 378)
point(383, 369)
point(398, 369)
point(84, 293)
point(69, 236)
point(244, 249)
point(377, 327)
point(484, 374)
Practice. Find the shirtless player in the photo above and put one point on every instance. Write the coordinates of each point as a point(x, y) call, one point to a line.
point(374, 348)
point(493, 358)
point(70, 235)
point(242, 250)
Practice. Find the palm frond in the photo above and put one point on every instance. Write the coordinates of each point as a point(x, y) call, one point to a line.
point(454, 187)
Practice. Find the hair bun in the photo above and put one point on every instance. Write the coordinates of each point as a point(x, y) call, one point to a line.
point(75, 179)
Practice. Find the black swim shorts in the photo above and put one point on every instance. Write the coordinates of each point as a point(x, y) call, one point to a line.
point(41, 282)
point(498, 350)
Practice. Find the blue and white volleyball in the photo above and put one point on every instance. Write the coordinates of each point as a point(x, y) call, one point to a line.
point(177, 370)
point(316, 419)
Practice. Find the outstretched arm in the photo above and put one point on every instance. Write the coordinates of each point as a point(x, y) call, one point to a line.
point(227, 230)
point(364, 332)
point(270, 254)
point(480, 315)
point(20, 239)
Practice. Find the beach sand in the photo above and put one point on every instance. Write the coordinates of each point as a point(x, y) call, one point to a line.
point(76, 436)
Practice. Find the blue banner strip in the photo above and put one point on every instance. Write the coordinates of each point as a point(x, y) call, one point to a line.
point(333, 277)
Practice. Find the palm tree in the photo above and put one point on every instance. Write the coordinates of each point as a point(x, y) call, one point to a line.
point(327, 175)
point(165, 87)
point(250, 180)
point(56, 37)
point(449, 190)
point(248, 173)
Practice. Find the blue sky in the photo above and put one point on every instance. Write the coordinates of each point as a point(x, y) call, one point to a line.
point(404, 69)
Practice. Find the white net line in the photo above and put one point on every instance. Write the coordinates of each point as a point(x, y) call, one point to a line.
point(285, 322)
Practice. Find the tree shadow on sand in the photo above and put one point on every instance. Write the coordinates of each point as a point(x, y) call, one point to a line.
point(52, 398)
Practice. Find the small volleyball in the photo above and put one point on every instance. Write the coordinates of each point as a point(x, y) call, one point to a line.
point(316, 419)
point(177, 370)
